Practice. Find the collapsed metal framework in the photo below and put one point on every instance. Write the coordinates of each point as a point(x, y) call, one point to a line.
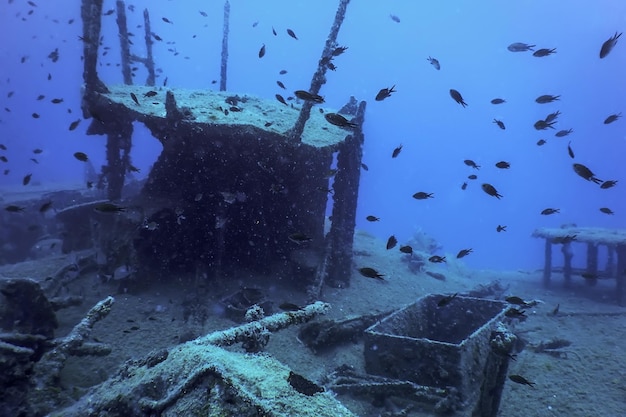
point(181, 135)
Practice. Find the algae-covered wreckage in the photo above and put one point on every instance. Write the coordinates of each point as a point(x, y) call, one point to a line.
point(241, 182)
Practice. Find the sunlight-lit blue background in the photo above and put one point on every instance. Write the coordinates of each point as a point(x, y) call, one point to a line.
point(437, 134)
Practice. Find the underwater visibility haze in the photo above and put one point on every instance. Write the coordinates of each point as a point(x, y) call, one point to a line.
point(493, 161)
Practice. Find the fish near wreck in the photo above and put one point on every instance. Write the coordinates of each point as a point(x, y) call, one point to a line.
point(491, 190)
point(544, 52)
point(306, 96)
point(609, 44)
point(520, 47)
point(586, 173)
point(612, 118)
point(456, 96)
point(338, 120)
point(384, 93)
point(546, 98)
point(434, 62)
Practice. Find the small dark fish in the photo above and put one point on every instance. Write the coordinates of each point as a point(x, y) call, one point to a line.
point(3, 147)
point(371, 273)
point(391, 242)
point(56, 100)
point(339, 50)
point(394, 18)
point(563, 133)
point(446, 300)
point(608, 184)
point(464, 186)
point(289, 307)
point(552, 116)
point(384, 93)
point(456, 96)
point(589, 275)
point(108, 12)
point(498, 101)
point(281, 85)
point(472, 177)
point(203, 14)
point(434, 63)
point(606, 210)
point(34, 160)
point(396, 151)
point(365, 167)
point(14, 209)
point(543, 125)
point(166, 20)
point(268, 124)
point(306, 96)
point(150, 93)
point(49, 76)
point(26, 179)
point(40, 97)
point(499, 123)
point(516, 300)
point(45, 207)
point(81, 156)
point(436, 259)
point(406, 249)
point(571, 152)
point(546, 98)
point(471, 163)
point(262, 51)
point(134, 97)
point(157, 37)
point(292, 34)
point(503, 165)
point(108, 208)
point(520, 47)
point(338, 120)
point(541, 142)
point(74, 124)
point(612, 118)
point(609, 44)
point(539, 53)
point(255, 24)
point(165, 82)
point(282, 72)
point(586, 173)
point(299, 238)
point(491, 190)
point(521, 380)
point(35, 115)
point(515, 313)
point(549, 211)
point(463, 253)
point(372, 219)
point(4, 159)
point(37, 151)
point(274, 31)
point(421, 195)
point(281, 99)
point(500, 229)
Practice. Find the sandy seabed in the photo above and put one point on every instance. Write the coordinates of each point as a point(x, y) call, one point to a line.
point(589, 379)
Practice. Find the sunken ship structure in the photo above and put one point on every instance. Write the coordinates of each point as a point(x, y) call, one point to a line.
point(241, 182)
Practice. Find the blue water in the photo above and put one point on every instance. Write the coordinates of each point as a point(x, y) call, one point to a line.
point(468, 38)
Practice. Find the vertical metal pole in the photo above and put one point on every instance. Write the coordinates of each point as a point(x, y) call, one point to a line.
point(122, 28)
point(224, 66)
point(149, 61)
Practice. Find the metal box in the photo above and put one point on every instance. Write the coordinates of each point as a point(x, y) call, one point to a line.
point(444, 346)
